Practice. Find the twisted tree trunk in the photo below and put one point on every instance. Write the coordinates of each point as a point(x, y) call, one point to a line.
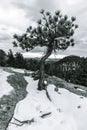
point(42, 69)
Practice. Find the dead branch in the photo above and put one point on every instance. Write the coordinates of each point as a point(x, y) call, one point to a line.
point(44, 115)
point(20, 123)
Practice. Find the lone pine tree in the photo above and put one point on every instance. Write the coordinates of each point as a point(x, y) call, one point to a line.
point(52, 31)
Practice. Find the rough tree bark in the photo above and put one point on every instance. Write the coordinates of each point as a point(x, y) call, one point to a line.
point(42, 69)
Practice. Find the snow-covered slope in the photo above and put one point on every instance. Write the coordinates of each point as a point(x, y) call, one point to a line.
point(66, 111)
point(5, 87)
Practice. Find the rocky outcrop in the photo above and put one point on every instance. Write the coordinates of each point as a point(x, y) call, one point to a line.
point(8, 102)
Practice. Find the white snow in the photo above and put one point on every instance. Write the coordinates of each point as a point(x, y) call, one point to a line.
point(39, 55)
point(5, 87)
point(18, 70)
point(80, 89)
point(21, 71)
point(69, 103)
point(68, 111)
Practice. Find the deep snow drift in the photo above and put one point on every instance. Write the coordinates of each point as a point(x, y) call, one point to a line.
point(66, 111)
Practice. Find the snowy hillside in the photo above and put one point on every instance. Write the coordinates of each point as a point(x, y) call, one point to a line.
point(65, 111)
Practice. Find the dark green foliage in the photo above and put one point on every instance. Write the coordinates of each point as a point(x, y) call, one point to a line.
point(11, 59)
point(53, 31)
point(16, 60)
point(19, 61)
point(2, 58)
point(82, 73)
point(33, 64)
point(72, 68)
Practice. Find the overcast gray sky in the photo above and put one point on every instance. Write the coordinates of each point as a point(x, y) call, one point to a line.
point(17, 15)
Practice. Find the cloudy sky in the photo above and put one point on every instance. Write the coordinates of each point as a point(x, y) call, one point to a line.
point(17, 15)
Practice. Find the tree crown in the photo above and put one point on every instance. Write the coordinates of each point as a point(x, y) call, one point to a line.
point(53, 31)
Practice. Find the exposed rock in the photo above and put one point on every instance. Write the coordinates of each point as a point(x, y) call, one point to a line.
point(8, 102)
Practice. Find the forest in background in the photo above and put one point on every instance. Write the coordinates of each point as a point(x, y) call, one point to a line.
point(71, 68)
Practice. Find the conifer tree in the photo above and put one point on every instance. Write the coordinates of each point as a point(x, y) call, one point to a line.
point(54, 31)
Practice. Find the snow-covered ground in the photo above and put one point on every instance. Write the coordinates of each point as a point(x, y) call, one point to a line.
point(5, 87)
point(18, 70)
point(67, 111)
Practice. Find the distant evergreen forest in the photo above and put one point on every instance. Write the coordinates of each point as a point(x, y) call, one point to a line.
point(71, 68)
